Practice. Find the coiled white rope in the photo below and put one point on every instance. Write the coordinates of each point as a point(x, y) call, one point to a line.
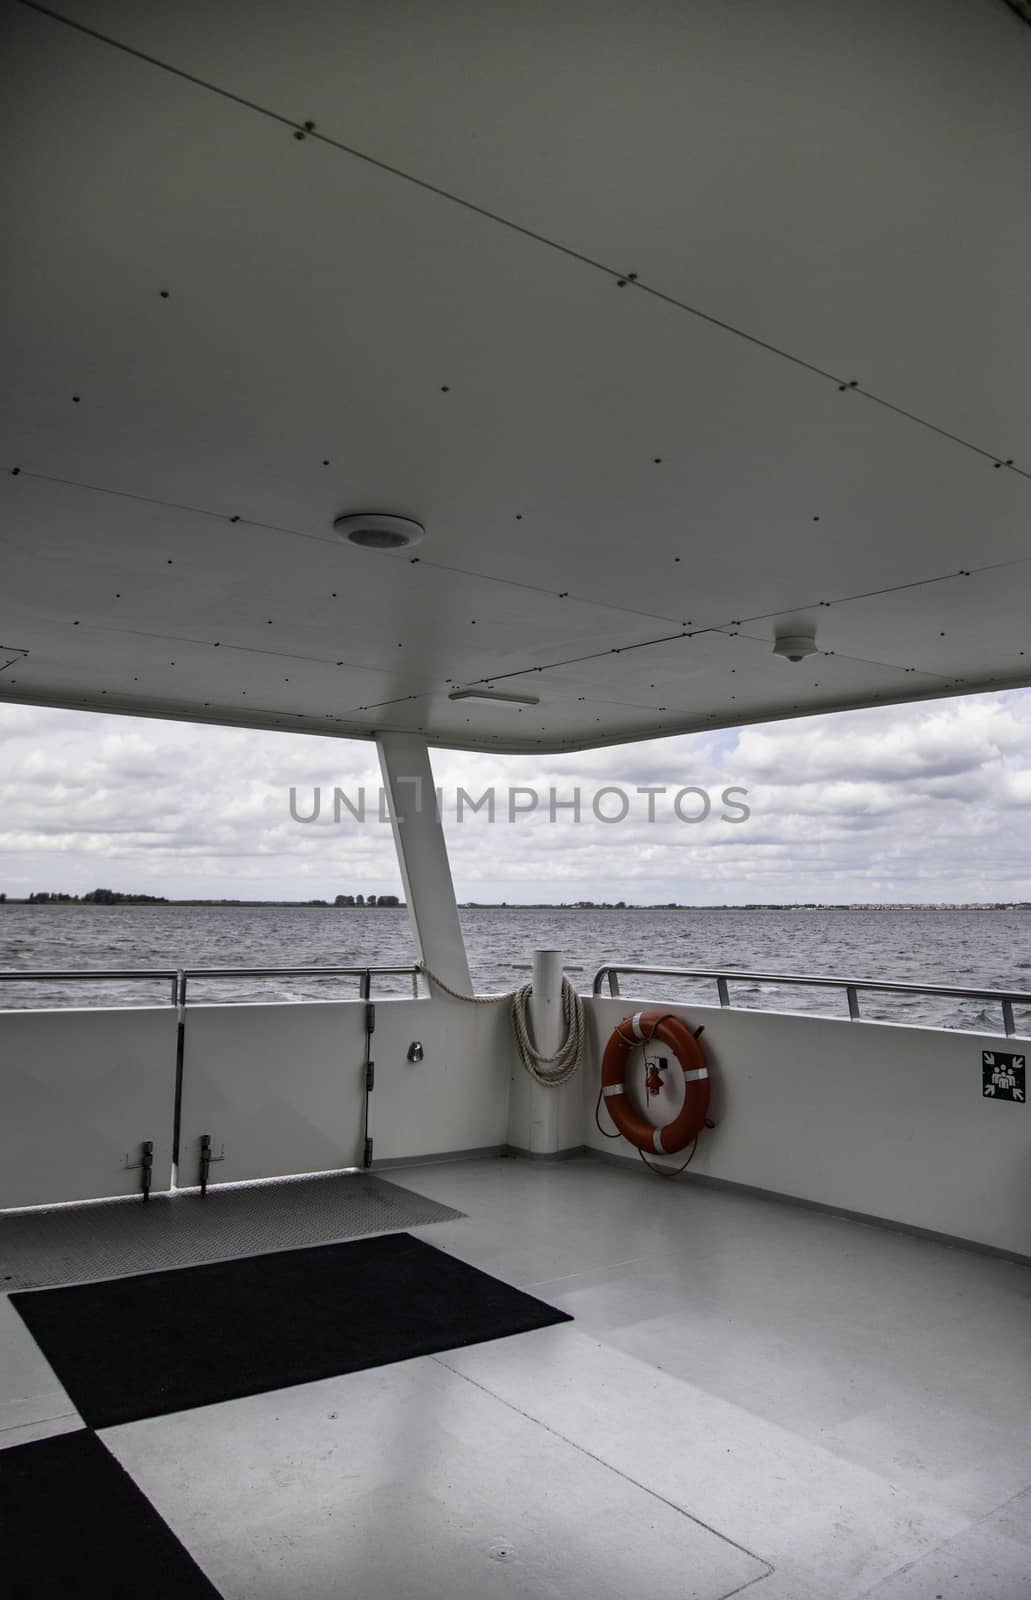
point(559, 1068)
point(549, 1071)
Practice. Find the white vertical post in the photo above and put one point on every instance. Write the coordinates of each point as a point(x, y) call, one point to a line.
point(545, 1121)
point(547, 1029)
point(423, 858)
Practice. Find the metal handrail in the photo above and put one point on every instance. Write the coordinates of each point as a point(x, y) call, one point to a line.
point(1006, 998)
point(180, 977)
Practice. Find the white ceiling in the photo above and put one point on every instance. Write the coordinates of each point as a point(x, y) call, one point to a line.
point(625, 489)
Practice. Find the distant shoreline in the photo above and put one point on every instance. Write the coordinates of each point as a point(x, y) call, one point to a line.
point(158, 903)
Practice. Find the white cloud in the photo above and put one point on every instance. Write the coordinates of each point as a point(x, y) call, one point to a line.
point(919, 802)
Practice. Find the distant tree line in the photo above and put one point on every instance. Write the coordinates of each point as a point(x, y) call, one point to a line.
point(113, 897)
point(97, 897)
point(366, 900)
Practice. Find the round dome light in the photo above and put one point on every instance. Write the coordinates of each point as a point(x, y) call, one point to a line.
point(795, 646)
point(373, 531)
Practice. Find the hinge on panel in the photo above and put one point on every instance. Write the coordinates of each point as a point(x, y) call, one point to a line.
point(144, 1166)
point(367, 1157)
point(206, 1158)
point(370, 1076)
point(370, 1019)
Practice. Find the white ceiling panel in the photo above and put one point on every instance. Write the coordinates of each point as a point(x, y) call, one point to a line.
point(226, 335)
point(846, 183)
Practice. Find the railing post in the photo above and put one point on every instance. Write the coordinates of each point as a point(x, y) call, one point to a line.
point(723, 991)
point(853, 1002)
point(613, 981)
point(179, 1000)
point(1008, 1025)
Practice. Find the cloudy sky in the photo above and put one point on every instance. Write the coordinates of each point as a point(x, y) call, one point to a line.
point(928, 802)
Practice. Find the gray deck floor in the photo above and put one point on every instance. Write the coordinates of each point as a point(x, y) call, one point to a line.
point(753, 1396)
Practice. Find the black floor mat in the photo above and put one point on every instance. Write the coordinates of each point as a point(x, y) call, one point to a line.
point(167, 1341)
point(73, 1524)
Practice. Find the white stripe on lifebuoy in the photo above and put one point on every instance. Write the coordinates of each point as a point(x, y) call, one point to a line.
point(695, 1074)
point(635, 1023)
point(657, 1141)
point(613, 1088)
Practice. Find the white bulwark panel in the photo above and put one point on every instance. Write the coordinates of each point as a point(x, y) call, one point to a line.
point(890, 1121)
point(81, 1092)
point(279, 1089)
point(453, 1096)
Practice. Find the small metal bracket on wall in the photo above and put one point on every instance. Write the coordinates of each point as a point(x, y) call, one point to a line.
point(144, 1166)
point(206, 1158)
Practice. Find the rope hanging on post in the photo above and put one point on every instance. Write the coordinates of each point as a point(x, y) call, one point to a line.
point(549, 1071)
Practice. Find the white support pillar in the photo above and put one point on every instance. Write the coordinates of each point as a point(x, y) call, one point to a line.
point(546, 1023)
point(423, 858)
point(544, 1121)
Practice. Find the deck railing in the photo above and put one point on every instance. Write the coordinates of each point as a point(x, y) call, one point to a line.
point(853, 987)
point(180, 978)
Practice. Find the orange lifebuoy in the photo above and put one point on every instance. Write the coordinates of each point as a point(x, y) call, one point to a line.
point(689, 1121)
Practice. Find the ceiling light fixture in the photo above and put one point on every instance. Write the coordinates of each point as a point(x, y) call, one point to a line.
point(494, 697)
point(372, 530)
point(795, 646)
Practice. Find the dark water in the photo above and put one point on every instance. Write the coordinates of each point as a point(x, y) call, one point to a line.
point(966, 948)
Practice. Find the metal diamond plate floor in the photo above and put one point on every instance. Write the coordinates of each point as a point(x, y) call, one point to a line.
point(114, 1238)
